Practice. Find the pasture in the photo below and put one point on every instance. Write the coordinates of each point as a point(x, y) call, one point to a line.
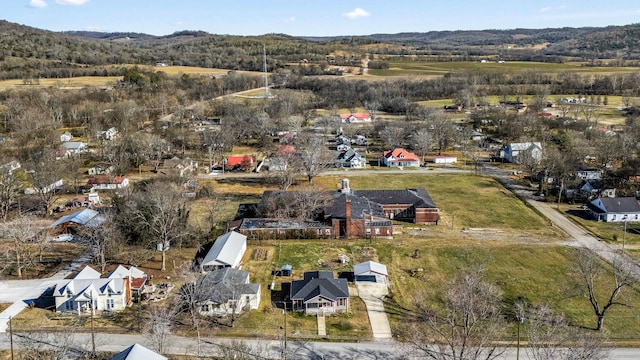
point(436, 68)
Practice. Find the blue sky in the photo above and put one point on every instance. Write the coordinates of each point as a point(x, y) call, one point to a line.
point(314, 18)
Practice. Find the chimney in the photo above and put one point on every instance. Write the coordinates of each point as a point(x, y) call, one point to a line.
point(347, 215)
point(345, 186)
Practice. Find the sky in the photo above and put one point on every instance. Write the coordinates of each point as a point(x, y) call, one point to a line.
point(314, 18)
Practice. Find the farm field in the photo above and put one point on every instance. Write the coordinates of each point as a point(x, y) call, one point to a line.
point(433, 68)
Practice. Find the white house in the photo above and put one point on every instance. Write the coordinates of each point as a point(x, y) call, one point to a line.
point(228, 291)
point(109, 134)
point(74, 147)
point(618, 209)
point(107, 182)
point(227, 251)
point(66, 136)
point(511, 151)
point(88, 293)
point(355, 118)
point(400, 157)
point(137, 278)
point(360, 140)
point(45, 189)
point(442, 159)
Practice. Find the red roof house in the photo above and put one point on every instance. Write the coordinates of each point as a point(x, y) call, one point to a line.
point(400, 157)
point(107, 182)
point(242, 162)
point(355, 118)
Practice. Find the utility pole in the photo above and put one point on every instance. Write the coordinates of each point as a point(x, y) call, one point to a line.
point(11, 337)
point(284, 354)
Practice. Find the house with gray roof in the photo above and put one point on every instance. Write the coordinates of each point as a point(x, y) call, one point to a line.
point(618, 209)
point(227, 251)
point(514, 152)
point(319, 292)
point(349, 158)
point(227, 291)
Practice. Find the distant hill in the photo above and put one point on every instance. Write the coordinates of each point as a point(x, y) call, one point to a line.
point(29, 52)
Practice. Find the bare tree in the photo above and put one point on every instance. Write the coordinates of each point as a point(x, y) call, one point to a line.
point(592, 280)
point(442, 131)
point(11, 184)
point(314, 155)
point(422, 141)
point(550, 336)
point(100, 240)
point(163, 213)
point(467, 325)
point(20, 232)
point(44, 172)
point(158, 329)
point(303, 204)
point(372, 107)
point(392, 136)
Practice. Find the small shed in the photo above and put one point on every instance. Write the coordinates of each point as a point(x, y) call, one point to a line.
point(286, 270)
point(371, 271)
point(442, 159)
point(227, 251)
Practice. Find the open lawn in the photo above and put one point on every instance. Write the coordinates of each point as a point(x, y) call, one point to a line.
point(470, 201)
point(405, 68)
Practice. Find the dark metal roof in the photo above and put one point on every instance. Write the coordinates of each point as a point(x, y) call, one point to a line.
point(419, 198)
point(265, 223)
point(360, 206)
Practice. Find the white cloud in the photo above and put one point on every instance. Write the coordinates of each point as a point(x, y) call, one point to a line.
point(37, 3)
point(290, 19)
point(549, 8)
point(358, 12)
point(72, 2)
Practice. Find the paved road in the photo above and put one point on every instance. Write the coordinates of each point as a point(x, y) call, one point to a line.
point(260, 349)
point(579, 236)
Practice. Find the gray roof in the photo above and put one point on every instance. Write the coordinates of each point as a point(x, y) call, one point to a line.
point(419, 198)
point(73, 145)
point(226, 250)
point(86, 217)
point(619, 205)
point(227, 283)
point(360, 206)
point(137, 352)
point(319, 283)
point(267, 223)
point(345, 157)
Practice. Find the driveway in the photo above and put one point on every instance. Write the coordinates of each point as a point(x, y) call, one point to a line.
point(20, 293)
point(372, 294)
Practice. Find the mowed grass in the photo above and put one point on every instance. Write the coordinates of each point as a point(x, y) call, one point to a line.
point(404, 68)
point(473, 201)
point(536, 273)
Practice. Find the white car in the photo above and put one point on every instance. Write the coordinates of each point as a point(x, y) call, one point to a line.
point(63, 238)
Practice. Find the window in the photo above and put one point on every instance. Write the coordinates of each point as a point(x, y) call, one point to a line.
point(377, 231)
point(109, 304)
point(205, 308)
point(68, 305)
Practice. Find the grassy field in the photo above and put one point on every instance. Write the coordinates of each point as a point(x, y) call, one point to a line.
point(64, 83)
point(426, 68)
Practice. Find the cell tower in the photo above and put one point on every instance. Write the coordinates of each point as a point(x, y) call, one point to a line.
point(267, 94)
